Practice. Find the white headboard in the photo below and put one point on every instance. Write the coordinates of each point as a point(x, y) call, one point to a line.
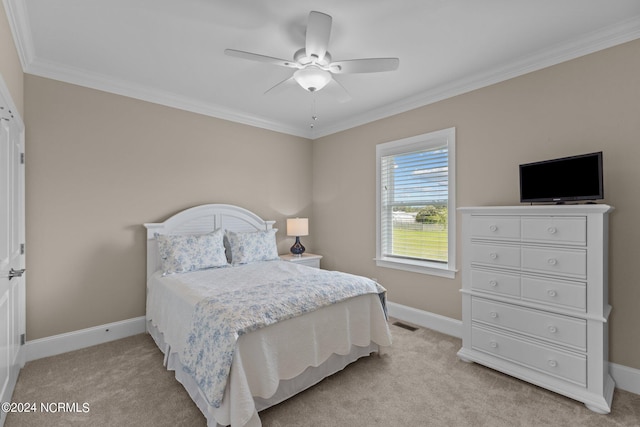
point(202, 219)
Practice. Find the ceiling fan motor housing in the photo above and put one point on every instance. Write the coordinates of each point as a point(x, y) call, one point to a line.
point(303, 59)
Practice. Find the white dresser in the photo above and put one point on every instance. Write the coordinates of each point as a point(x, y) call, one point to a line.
point(534, 296)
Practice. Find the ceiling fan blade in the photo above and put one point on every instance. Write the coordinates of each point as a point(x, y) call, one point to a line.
point(260, 58)
point(369, 65)
point(280, 87)
point(318, 33)
point(335, 89)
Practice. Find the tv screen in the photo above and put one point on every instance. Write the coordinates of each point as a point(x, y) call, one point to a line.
point(565, 179)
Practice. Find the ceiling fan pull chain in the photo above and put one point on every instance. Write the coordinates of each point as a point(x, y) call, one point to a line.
point(314, 117)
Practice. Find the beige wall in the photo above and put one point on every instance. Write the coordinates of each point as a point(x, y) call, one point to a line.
point(100, 165)
point(588, 104)
point(10, 68)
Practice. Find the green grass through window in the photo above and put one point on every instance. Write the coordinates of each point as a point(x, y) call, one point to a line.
point(428, 243)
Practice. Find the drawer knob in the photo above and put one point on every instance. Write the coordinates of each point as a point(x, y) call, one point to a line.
point(552, 293)
point(493, 344)
point(493, 228)
point(552, 329)
point(552, 261)
point(552, 230)
point(552, 363)
point(493, 283)
point(493, 315)
point(493, 255)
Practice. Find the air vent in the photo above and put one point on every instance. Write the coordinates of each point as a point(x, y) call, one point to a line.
point(405, 326)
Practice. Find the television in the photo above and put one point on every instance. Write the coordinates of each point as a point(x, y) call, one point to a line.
point(561, 180)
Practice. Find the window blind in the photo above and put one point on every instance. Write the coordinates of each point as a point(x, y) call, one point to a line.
point(414, 203)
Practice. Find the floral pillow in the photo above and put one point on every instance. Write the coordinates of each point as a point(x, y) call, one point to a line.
point(252, 246)
point(180, 253)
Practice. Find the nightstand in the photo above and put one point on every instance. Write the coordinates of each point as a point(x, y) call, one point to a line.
point(311, 260)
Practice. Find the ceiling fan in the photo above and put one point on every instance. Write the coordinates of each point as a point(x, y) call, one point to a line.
point(313, 64)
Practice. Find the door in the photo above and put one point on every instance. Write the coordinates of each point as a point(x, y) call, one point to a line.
point(12, 258)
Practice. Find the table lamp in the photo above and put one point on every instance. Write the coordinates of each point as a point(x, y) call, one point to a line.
point(297, 227)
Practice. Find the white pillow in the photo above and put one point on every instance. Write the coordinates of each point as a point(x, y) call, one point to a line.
point(253, 246)
point(180, 253)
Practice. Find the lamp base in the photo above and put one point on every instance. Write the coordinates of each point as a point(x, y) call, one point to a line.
point(297, 249)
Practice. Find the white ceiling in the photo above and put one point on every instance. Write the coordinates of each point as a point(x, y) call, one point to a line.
point(171, 52)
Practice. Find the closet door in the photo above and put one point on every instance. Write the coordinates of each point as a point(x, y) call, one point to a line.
point(12, 250)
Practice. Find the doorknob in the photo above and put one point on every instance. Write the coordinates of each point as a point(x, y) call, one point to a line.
point(15, 273)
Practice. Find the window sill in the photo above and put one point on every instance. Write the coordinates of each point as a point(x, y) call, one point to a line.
point(423, 267)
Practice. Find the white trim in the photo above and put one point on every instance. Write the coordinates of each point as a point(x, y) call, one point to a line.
point(94, 80)
point(443, 324)
point(613, 35)
point(57, 344)
point(426, 141)
point(423, 267)
point(627, 379)
point(21, 30)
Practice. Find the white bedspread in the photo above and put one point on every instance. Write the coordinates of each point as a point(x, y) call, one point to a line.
point(259, 362)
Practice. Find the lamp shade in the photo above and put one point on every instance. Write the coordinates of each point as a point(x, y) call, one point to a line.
point(312, 78)
point(297, 227)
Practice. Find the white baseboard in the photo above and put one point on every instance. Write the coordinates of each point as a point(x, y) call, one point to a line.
point(626, 378)
point(57, 344)
point(439, 323)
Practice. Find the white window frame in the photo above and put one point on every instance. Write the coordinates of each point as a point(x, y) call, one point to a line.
point(408, 145)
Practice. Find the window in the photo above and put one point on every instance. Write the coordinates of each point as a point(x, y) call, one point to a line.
point(416, 204)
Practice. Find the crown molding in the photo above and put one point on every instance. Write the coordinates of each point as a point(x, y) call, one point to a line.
point(20, 30)
point(604, 38)
point(108, 84)
point(593, 42)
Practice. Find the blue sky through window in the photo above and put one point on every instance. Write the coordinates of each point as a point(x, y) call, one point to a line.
point(421, 178)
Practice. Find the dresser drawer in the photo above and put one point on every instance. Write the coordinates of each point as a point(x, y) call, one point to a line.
point(566, 294)
point(566, 262)
point(496, 282)
point(550, 229)
point(567, 366)
point(495, 227)
point(495, 255)
point(558, 329)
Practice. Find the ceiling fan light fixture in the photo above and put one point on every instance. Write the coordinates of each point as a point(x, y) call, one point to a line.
point(312, 78)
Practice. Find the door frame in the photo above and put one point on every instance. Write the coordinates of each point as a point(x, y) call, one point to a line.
point(15, 294)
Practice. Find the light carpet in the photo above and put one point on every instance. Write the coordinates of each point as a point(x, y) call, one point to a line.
point(418, 382)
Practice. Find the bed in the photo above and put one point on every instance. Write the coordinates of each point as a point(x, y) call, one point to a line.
point(235, 360)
